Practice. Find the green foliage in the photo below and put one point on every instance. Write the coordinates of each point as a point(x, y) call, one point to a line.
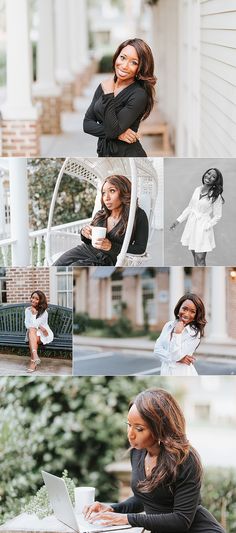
point(40, 505)
point(75, 198)
point(81, 322)
point(105, 64)
point(219, 495)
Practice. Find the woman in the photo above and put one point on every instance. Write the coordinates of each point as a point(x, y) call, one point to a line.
point(36, 323)
point(180, 338)
point(166, 473)
point(121, 102)
point(203, 212)
point(114, 214)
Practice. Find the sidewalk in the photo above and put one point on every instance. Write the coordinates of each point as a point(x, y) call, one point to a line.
point(16, 365)
point(142, 344)
point(74, 142)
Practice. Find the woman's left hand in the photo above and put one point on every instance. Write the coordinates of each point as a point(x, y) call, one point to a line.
point(106, 518)
point(108, 86)
point(103, 244)
point(44, 331)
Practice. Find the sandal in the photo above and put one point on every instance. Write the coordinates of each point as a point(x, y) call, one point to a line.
point(36, 362)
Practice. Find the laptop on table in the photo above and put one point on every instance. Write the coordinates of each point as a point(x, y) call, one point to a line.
point(64, 510)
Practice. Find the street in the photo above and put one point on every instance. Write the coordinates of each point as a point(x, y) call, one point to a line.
point(92, 361)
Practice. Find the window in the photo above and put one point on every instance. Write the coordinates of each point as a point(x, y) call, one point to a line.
point(116, 297)
point(3, 286)
point(64, 286)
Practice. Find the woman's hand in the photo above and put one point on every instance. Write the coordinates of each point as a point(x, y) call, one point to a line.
point(103, 244)
point(179, 328)
point(96, 508)
point(129, 136)
point(44, 331)
point(187, 360)
point(108, 86)
point(173, 226)
point(107, 518)
point(86, 231)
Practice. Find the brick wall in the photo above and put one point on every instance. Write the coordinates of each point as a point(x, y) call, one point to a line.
point(20, 138)
point(21, 282)
point(50, 114)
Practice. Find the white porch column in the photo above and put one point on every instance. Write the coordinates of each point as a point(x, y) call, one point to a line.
point(80, 64)
point(20, 117)
point(218, 329)
point(64, 75)
point(45, 89)
point(19, 211)
point(176, 288)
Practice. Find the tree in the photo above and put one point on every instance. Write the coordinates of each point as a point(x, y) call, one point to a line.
point(75, 198)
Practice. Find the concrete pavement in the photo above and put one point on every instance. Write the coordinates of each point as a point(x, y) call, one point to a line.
point(16, 365)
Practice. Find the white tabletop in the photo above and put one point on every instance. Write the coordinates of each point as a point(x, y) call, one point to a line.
point(30, 523)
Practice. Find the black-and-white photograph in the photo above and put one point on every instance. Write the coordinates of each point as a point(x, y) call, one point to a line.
point(199, 200)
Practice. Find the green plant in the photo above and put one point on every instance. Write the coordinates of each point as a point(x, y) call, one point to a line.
point(40, 504)
point(105, 63)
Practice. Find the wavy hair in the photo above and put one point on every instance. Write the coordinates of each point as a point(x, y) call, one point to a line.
point(216, 188)
point(43, 304)
point(199, 320)
point(166, 422)
point(145, 73)
point(123, 185)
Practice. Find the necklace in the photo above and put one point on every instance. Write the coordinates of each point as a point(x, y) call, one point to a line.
point(114, 220)
point(150, 462)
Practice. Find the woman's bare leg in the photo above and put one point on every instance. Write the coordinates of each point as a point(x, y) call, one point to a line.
point(33, 344)
point(200, 259)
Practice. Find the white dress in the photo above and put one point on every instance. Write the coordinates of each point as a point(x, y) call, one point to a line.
point(170, 349)
point(201, 215)
point(32, 322)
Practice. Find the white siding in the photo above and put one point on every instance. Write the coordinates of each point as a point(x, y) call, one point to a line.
point(218, 78)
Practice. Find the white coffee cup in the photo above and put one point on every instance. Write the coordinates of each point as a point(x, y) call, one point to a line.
point(83, 496)
point(98, 233)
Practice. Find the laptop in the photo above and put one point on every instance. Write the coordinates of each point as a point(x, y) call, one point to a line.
point(64, 510)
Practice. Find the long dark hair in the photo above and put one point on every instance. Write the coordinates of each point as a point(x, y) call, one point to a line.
point(43, 304)
point(199, 320)
point(216, 188)
point(145, 73)
point(123, 185)
point(166, 422)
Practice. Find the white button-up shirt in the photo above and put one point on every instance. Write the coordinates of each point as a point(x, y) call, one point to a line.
point(170, 349)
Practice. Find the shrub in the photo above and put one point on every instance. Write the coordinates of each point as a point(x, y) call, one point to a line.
point(105, 64)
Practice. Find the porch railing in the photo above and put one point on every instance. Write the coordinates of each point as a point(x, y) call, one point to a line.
point(37, 243)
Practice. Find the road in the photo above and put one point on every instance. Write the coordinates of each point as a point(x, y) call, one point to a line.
point(91, 361)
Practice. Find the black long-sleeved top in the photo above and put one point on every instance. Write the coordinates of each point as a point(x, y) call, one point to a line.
point(173, 508)
point(138, 243)
point(108, 116)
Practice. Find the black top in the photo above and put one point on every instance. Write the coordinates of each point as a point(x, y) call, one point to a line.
point(138, 243)
point(173, 508)
point(108, 116)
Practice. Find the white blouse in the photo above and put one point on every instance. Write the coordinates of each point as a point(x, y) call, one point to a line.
point(172, 348)
point(32, 322)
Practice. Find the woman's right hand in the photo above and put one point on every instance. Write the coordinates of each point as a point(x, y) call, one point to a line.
point(96, 507)
point(173, 226)
point(129, 136)
point(187, 360)
point(86, 231)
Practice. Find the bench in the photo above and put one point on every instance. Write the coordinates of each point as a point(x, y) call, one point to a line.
point(156, 124)
point(13, 331)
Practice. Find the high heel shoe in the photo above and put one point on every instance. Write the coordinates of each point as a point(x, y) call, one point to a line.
point(36, 362)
